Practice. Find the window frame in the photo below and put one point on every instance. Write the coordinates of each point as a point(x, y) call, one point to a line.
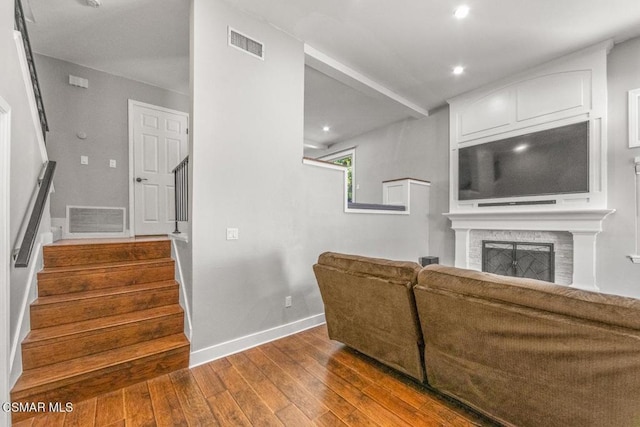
point(338, 155)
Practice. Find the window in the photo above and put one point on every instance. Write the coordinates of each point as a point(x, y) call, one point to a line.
point(345, 158)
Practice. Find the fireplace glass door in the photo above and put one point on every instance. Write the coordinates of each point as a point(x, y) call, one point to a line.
point(519, 259)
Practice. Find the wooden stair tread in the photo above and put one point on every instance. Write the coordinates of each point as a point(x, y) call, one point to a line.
point(37, 336)
point(102, 267)
point(82, 243)
point(91, 253)
point(109, 240)
point(107, 316)
point(49, 377)
point(118, 290)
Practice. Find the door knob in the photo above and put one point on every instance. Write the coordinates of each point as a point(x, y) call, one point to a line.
point(138, 179)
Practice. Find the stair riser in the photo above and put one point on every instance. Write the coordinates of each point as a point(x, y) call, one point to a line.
point(44, 316)
point(108, 379)
point(62, 283)
point(66, 256)
point(46, 352)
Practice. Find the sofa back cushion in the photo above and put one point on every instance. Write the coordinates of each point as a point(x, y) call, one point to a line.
point(369, 305)
point(535, 294)
point(531, 353)
point(393, 271)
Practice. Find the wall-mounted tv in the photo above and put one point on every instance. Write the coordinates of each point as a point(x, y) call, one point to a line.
point(553, 161)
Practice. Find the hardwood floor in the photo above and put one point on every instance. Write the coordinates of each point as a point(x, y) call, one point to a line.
point(301, 380)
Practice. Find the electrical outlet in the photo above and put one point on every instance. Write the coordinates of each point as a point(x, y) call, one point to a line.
point(84, 160)
point(287, 301)
point(232, 234)
point(112, 163)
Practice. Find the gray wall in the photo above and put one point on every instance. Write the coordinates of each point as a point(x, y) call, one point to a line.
point(407, 149)
point(615, 272)
point(101, 111)
point(247, 173)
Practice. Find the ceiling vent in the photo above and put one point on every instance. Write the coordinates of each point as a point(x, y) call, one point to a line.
point(246, 44)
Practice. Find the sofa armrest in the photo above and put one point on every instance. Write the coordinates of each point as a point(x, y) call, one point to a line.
point(370, 306)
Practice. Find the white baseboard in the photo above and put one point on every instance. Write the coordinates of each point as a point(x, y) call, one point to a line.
point(237, 345)
point(24, 325)
point(184, 301)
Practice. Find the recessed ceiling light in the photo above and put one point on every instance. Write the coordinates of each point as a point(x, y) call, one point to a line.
point(520, 148)
point(326, 128)
point(458, 70)
point(94, 3)
point(461, 12)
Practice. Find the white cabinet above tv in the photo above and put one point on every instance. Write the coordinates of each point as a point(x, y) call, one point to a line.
point(565, 91)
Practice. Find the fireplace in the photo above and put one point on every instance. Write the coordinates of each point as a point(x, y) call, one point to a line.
point(556, 245)
point(519, 259)
point(575, 266)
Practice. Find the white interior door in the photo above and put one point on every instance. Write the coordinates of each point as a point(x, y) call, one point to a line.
point(160, 141)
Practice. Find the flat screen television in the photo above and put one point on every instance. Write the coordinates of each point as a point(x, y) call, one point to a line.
point(553, 161)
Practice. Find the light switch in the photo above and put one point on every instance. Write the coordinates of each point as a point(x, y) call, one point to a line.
point(112, 163)
point(84, 160)
point(232, 234)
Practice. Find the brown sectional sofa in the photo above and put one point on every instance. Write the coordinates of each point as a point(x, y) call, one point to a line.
point(524, 352)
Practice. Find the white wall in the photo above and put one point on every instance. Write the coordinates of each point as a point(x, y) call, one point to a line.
point(5, 12)
point(26, 161)
point(247, 173)
point(5, 253)
point(101, 112)
point(615, 272)
point(407, 149)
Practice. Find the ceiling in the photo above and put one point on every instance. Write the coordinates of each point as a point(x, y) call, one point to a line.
point(346, 111)
point(411, 46)
point(144, 40)
point(407, 46)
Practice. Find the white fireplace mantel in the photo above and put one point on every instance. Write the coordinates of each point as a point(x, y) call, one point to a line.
point(584, 225)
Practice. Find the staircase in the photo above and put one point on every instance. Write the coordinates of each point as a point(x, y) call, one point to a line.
point(107, 316)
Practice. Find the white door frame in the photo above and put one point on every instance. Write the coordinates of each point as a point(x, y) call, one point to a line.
point(5, 255)
point(133, 103)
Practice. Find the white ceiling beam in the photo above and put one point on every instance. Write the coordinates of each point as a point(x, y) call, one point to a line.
point(315, 145)
point(344, 74)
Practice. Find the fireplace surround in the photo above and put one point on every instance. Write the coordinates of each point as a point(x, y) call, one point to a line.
point(583, 225)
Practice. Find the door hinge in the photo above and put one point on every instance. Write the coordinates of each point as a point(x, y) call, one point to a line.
point(187, 131)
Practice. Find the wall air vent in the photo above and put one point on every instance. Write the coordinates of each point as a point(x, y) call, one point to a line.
point(245, 44)
point(95, 220)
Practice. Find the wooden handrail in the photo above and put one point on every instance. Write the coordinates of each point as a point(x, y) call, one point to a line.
point(29, 239)
point(181, 191)
point(405, 179)
point(21, 25)
point(181, 164)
